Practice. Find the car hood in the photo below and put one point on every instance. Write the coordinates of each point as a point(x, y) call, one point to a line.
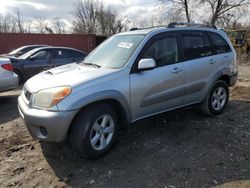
point(67, 75)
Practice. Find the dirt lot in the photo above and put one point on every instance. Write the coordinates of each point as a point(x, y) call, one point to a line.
point(183, 148)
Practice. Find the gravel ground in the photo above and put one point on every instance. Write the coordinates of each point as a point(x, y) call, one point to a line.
point(183, 148)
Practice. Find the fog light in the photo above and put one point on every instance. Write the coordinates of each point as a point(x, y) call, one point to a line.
point(43, 131)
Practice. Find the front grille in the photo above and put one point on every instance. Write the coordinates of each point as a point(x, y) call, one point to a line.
point(27, 94)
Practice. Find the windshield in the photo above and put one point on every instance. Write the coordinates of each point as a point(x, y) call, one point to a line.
point(26, 55)
point(15, 51)
point(115, 52)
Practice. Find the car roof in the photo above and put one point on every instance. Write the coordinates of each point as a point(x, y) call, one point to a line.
point(175, 26)
point(57, 47)
point(165, 29)
point(34, 45)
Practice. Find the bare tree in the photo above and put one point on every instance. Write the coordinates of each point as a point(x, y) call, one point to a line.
point(40, 25)
point(182, 5)
point(91, 16)
point(18, 20)
point(221, 7)
point(231, 20)
point(27, 25)
point(49, 30)
point(107, 21)
point(59, 25)
point(7, 24)
point(85, 16)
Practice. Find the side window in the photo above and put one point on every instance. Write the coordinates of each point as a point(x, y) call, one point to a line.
point(193, 46)
point(74, 54)
point(163, 51)
point(25, 50)
point(219, 43)
point(208, 46)
point(41, 55)
point(59, 54)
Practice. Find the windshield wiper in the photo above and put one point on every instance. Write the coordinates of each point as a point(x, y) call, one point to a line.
point(92, 64)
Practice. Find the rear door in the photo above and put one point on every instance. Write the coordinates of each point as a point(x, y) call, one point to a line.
point(162, 88)
point(59, 57)
point(36, 63)
point(65, 56)
point(199, 62)
point(222, 51)
point(75, 56)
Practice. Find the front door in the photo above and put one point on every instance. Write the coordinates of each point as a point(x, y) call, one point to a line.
point(36, 63)
point(162, 88)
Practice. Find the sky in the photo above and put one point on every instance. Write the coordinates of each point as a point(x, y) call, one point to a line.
point(49, 9)
point(63, 8)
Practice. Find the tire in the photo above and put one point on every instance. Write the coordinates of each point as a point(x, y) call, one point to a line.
point(88, 133)
point(217, 99)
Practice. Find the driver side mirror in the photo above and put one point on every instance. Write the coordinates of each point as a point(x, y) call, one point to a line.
point(146, 64)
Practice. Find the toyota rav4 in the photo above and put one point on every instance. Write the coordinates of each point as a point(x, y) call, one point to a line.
point(130, 76)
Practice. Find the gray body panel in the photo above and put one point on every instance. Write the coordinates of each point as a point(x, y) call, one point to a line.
point(156, 90)
point(8, 79)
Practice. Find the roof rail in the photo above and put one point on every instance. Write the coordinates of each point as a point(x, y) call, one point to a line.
point(174, 24)
point(136, 28)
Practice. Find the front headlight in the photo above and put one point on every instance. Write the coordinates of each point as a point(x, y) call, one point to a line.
point(48, 98)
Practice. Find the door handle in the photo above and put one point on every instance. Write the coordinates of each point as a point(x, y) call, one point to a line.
point(176, 70)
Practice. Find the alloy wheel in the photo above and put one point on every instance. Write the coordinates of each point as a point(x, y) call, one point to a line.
point(102, 132)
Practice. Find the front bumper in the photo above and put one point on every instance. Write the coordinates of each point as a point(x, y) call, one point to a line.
point(56, 123)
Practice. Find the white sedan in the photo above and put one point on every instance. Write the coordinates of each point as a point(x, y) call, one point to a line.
point(8, 79)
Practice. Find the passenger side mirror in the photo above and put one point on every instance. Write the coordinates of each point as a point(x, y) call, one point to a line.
point(146, 64)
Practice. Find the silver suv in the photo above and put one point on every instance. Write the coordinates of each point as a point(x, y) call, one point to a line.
point(130, 76)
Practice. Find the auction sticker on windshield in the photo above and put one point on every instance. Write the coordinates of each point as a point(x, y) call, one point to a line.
point(125, 45)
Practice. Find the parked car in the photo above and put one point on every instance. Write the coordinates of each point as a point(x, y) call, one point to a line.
point(130, 76)
point(22, 50)
point(44, 58)
point(8, 79)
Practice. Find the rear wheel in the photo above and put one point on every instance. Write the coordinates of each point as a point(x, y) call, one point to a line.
point(94, 131)
point(217, 99)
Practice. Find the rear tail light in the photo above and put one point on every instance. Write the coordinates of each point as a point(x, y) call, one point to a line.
point(7, 67)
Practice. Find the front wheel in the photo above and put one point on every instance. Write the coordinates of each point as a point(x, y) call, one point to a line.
point(217, 99)
point(94, 130)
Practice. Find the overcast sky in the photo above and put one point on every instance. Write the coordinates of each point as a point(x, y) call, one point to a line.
point(63, 8)
point(49, 9)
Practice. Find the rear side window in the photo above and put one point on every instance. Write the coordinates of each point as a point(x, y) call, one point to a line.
point(220, 44)
point(193, 46)
point(75, 54)
point(163, 51)
point(59, 54)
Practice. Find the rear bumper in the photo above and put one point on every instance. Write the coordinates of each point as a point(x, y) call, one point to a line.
point(56, 124)
point(8, 82)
